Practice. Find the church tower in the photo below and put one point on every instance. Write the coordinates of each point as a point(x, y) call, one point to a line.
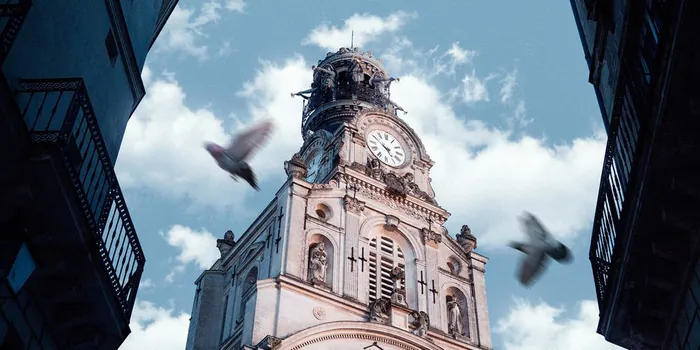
point(351, 253)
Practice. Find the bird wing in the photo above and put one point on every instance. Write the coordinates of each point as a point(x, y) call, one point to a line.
point(532, 266)
point(533, 228)
point(245, 143)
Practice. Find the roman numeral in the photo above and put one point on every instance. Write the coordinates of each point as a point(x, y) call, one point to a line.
point(399, 153)
point(374, 147)
point(372, 141)
point(379, 154)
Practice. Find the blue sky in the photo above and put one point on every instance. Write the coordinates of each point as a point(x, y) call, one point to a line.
point(497, 90)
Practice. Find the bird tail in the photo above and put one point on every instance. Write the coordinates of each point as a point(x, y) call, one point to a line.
point(249, 176)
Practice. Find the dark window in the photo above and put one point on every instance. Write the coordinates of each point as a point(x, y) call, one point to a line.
point(111, 45)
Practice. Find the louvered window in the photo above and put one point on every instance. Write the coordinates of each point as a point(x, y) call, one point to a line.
point(383, 257)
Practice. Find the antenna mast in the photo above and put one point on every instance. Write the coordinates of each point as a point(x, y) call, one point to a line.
point(352, 39)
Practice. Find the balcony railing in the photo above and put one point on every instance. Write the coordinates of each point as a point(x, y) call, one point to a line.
point(361, 92)
point(12, 14)
point(631, 114)
point(58, 112)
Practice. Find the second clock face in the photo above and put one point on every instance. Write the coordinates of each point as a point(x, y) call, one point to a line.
point(386, 148)
point(314, 167)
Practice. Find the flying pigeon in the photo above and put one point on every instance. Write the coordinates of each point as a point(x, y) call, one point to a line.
point(233, 158)
point(540, 248)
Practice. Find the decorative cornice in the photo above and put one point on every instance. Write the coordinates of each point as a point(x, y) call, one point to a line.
point(417, 209)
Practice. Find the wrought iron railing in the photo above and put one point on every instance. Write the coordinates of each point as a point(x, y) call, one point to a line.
point(361, 92)
point(12, 14)
point(58, 112)
point(632, 112)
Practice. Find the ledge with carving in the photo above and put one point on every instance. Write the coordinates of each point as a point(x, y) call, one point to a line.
point(397, 185)
point(417, 209)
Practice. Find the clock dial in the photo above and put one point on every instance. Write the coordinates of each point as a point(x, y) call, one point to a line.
point(313, 167)
point(386, 148)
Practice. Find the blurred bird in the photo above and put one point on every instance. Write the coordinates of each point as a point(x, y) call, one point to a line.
point(541, 246)
point(233, 158)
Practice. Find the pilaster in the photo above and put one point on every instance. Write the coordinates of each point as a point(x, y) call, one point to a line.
point(353, 212)
point(482, 310)
point(293, 234)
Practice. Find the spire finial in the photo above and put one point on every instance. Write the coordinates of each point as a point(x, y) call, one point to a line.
point(352, 39)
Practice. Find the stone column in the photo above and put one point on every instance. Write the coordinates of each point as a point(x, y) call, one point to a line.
point(353, 213)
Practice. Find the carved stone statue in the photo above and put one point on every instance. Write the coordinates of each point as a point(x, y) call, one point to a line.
point(318, 261)
point(454, 316)
point(374, 169)
point(378, 309)
point(466, 239)
point(421, 321)
point(356, 73)
point(225, 245)
point(398, 296)
point(327, 80)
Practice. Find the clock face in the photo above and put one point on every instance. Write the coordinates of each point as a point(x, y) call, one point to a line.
point(313, 167)
point(386, 148)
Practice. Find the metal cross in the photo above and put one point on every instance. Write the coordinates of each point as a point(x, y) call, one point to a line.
point(279, 227)
point(269, 234)
point(433, 290)
point(362, 259)
point(422, 283)
point(352, 257)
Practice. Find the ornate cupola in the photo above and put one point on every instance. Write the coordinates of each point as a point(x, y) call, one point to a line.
point(345, 83)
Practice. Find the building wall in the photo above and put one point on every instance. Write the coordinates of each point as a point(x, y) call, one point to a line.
point(68, 39)
point(687, 331)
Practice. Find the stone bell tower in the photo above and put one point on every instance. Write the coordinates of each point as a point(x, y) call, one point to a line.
point(351, 253)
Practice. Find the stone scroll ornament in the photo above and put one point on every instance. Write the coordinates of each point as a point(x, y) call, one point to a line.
point(421, 321)
point(379, 309)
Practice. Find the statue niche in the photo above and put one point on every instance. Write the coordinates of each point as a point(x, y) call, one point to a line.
point(320, 258)
point(457, 320)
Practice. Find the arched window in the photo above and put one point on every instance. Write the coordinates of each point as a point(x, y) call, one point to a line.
point(247, 290)
point(383, 257)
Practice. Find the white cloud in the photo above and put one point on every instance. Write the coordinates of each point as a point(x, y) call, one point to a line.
point(508, 87)
point(235, 5)
point(491, 176)
point(473, 88)
point(541, 326)
point(455, 57)
point(183, 31)
point(162, 149)
point(367, 28)
point(519, 118)
point(154, 327)
point(196, 247)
